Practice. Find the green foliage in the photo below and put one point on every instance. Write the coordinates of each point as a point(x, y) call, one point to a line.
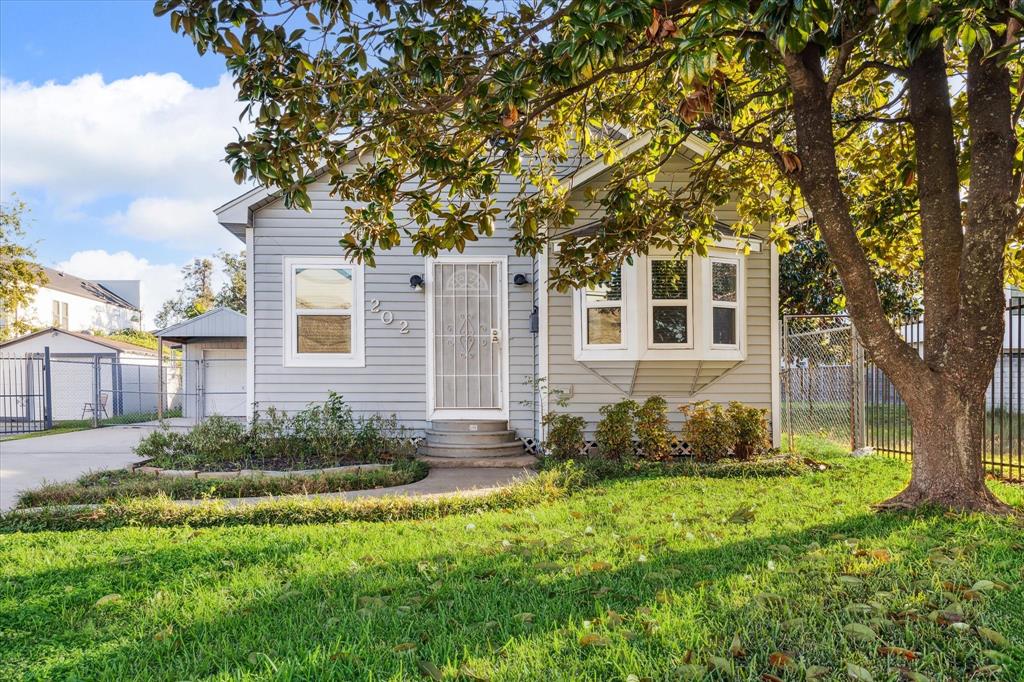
point(652, 429)
point(753, 434)
point(100, 487)
point(195, 296)
point(614, 432)
point(232, 293)
point(708, 431)
point(324, 434)
point(20, 275)
point(564, 435)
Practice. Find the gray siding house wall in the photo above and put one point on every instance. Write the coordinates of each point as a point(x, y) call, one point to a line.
point(395, 378)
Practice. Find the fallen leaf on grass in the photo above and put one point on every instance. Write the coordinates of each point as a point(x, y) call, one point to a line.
point(468, 673)
point(736, 649)
point(403, 647)
point(723, 665)
point(598, 566)
point(897, 651)
point(859, 631)
point(742, 515)
point(987, 671)
point(992, 636)
point(858, 673)
point(913, 676)
point(429, 670)
point(768, 677)
point(164, 633)
point(593, 639)
point(108, 599)
point(781, 660)
point(816, 672)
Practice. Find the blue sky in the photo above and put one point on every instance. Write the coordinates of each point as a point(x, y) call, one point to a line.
point(112, 129)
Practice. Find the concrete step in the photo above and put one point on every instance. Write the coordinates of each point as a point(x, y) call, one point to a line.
point(468, 426)
point(519, 462)
point(467, 438)
point(473, 450)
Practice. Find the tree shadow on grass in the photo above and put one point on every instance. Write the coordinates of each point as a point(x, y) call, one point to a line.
point(337, 612)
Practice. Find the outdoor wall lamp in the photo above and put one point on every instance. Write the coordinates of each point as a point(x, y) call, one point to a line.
point(520, 279)
point(416, 282)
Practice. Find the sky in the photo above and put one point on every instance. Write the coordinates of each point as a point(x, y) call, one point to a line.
point(112, 130)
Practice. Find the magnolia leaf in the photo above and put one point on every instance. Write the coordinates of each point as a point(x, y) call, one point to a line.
point(403, 647)
point(429, 670)
point(983, 585)
point(858, 673)
point(600, 566)
point(742, 515)
point(816, 672)
point(736, 649)
point(897, 651)
point(781, 660)
point(860, 632)
point(993, 637)
point(592, 639)
point(108, 599)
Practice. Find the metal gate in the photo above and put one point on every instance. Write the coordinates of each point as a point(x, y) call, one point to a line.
point(25, 396)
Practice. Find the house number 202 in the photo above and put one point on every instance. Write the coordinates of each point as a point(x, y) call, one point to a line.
point(388, 317)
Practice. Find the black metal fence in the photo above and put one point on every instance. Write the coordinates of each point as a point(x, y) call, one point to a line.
point(887, 424)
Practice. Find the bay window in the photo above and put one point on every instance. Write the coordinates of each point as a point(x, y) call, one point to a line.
point(323, 312)
point(665, 307)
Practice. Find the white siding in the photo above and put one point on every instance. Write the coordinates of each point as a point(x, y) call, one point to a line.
point(84, 314)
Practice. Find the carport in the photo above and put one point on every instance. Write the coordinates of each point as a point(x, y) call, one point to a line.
point(213, 363)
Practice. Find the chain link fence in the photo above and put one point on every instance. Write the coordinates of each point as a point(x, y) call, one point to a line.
point(39, 391)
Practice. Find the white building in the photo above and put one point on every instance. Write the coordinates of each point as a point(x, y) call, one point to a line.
point(75, 304)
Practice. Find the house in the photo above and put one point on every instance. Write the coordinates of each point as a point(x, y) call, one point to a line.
point(476, 343)
point(213, 360)
point(78, 305)
point(117, 376)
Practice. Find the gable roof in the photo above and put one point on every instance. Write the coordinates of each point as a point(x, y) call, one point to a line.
point(216, 323)
point(112, 344)
point(70, 284)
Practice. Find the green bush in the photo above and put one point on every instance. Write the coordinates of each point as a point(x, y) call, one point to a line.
point(753, 437)
point(615, 430)
point(564, 438)
point(708, 431)
point(652, 429)
point(216, 439)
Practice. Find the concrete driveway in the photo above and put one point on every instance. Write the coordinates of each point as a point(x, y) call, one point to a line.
point(26, 463)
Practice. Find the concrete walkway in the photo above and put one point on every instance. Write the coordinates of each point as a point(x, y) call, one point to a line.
point(29, 462)
point(439, 482)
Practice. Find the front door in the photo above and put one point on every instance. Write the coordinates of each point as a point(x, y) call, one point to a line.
point(467, 338)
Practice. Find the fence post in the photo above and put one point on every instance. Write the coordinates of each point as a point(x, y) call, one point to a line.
point(95, 391)
point(789, 379)
point(160, 378)
point(858, 398)
point(47, 394)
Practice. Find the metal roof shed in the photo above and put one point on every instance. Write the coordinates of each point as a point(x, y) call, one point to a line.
point(214, 367)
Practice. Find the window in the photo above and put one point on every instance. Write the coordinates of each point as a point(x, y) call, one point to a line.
point(323, 302)
point(724, 302)
point(60, 314)
point(668, 301)
point(602, 313)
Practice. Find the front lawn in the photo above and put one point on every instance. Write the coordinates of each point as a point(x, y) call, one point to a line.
point(656, 577)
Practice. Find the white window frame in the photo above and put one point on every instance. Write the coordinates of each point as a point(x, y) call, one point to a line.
point(739, 305)
point(292, 358)
point(652, 303)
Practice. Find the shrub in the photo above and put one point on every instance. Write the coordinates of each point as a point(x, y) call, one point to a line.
point(164, 443)
point(564, 435)
point(652, 429)
point(615, 430)
point(326, 430)
point(217, 439)
point(753, 437)
point(708, 430)
point(270, 436)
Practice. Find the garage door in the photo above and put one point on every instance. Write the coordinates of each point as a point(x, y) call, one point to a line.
point(224, 382)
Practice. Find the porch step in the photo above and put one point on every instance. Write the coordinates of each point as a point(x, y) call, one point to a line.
point(462, 450)
point(466, 438)
point(466, 426)
point(517, 462)
point(469, 440)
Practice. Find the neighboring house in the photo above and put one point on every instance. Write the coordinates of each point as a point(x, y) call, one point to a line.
point(467, 342)
point(83, 367)
point(213, 359)
point(78, 305)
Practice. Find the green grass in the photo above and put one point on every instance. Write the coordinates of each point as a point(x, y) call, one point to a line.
point(644, 577)
point(102, 486)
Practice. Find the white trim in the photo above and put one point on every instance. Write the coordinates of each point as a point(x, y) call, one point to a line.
point(250, 323)
point(776, 380)
point(431, 411)
point(292, 358)
point(542, 331)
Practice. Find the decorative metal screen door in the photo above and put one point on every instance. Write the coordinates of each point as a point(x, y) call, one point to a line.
point(468, 343)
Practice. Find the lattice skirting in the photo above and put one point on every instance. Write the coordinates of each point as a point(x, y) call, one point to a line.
point(535, 447)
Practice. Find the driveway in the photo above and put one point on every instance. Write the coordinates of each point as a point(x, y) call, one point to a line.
point(27, 463)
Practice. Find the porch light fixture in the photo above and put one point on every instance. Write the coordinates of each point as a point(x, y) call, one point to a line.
point(416, 282)
point(520, 279)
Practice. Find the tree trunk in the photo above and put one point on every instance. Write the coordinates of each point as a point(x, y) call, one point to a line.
point(946, 468)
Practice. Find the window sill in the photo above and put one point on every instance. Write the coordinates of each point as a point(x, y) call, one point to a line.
point(324, 361)
point(659, 354)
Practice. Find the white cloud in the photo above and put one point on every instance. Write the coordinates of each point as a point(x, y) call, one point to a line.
point(155, 139)
point(165, 218)
point(159, 281)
